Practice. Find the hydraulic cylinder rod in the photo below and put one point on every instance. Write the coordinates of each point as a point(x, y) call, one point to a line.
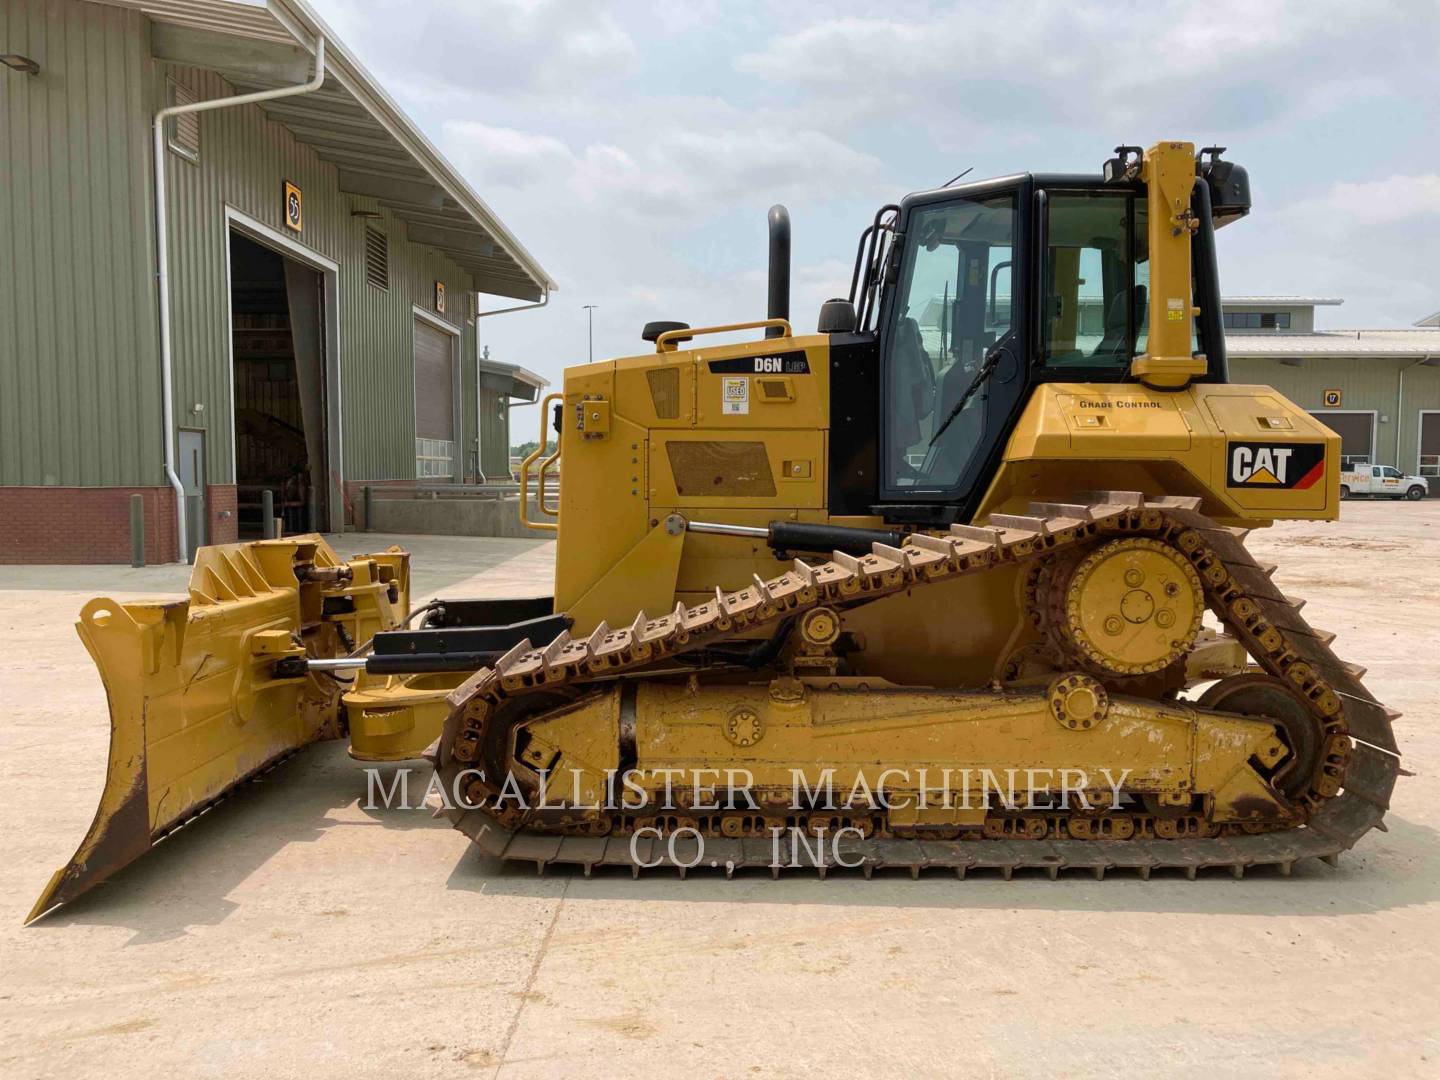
point(804, 536)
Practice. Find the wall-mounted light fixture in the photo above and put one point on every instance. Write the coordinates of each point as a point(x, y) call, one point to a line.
point(370, 215)
point(16, 62)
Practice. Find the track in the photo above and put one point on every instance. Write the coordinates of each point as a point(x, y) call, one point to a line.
point(1348, 795)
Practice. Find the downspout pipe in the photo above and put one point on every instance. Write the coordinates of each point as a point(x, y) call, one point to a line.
point(1400, 407)
point(544, 299)
point(162, 262)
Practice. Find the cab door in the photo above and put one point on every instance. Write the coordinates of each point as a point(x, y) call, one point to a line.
point(958, 307)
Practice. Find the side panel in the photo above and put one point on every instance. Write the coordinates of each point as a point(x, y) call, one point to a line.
point(602, 506)
point(854, 423)
point(1250, 455)
point(733, 433)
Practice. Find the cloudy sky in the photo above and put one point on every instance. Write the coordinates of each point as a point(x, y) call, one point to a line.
point(634, 148)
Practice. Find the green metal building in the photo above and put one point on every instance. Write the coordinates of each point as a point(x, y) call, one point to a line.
point(502, 387)
point(1379, 389)
point(322, 273)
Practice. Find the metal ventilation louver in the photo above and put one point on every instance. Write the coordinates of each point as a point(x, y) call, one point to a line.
point(184, 134)
point(377, 258)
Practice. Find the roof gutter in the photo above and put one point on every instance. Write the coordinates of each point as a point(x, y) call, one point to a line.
point(351, 74)
point(544, 299)
point(163, 262)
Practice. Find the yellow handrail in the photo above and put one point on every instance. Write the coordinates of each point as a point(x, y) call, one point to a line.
point(540, 484)
point(669, 340)
point(544, 526)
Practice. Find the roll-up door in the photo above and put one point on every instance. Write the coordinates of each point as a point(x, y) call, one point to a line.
point(434, 403)
point(1357, 435)
point(1430, 444)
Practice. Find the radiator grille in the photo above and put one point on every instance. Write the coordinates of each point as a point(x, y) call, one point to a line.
point(721, 468)
point(665, 392)
point(775, 389)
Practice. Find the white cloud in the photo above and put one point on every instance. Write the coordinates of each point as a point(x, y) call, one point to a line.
point(688, 172)
point(504, 156)
point(813, 283)
point(1353, 205)
point(634, 148)
point(540, 47)
point(648, 297)
point(685, 173)
point(1372, 242)
point(597, 46)
point(1005, 67)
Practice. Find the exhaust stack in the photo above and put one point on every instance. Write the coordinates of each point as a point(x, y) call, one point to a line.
point(778, 305)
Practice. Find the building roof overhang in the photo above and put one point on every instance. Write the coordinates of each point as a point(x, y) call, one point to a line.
point(1397, 344)
point(1279, 301)
point(350, 122)
point(525, 385)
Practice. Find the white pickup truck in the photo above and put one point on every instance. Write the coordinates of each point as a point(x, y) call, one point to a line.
point(1382, 481)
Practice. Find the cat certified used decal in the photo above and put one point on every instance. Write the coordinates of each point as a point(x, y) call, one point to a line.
point(1294, 466)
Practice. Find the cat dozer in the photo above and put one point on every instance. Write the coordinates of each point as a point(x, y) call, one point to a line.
point(956, 583)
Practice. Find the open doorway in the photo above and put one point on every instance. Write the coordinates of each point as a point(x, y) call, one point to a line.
point(280, 393)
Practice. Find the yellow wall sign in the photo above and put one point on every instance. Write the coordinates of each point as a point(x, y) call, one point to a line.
point(293, 206)
point(440, 297)
point(1332, 399)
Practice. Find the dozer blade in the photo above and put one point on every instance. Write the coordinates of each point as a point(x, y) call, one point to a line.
point(197, 704)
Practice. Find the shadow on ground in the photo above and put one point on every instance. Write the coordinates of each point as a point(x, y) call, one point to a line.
point(186, 879)
point(1385, 871)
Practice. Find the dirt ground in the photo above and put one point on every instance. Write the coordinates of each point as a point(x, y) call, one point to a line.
point(293, 933)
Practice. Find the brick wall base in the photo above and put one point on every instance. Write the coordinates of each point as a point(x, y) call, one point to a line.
point(224, 523)
point(85, 525)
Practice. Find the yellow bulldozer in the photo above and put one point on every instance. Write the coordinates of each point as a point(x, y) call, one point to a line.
point(957, 582)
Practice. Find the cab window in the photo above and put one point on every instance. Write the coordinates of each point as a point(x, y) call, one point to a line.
point(1097, 276)
point(953, 302)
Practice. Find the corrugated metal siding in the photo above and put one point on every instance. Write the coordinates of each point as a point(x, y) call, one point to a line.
point(494, 431)
point(1364, 384)
point(244, 160)
point(79, 379)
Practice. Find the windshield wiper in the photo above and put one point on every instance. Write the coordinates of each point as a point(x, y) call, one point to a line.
point(992, 360)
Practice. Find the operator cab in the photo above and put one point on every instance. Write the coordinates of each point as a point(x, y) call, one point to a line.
point(969, 295)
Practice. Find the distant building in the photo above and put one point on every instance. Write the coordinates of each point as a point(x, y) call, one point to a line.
point(1378, 389)
point(503, 387)
point(322, 267)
